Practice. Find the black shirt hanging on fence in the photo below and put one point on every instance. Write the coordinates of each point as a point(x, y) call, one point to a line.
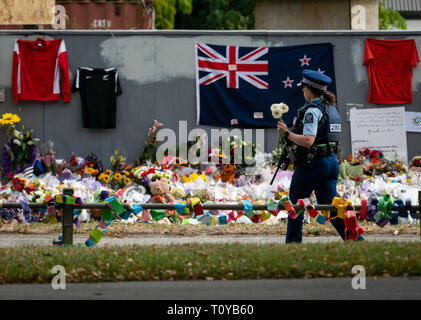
point(98, 90)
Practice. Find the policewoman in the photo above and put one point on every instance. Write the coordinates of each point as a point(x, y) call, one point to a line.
point(316, 133)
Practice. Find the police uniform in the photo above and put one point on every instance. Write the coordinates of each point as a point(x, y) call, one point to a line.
point(316, 168)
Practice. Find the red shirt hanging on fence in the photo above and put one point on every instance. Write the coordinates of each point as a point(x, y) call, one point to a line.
point(389, 64)
point(39, 67)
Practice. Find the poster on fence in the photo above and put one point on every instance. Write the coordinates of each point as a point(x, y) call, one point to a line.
point(413, 121)
point(383, 129)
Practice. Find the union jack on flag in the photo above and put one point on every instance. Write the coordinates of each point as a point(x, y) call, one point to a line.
point(235, 86)
point(232, 67)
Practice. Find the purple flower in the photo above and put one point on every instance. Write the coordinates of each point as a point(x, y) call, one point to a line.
point(104, 195)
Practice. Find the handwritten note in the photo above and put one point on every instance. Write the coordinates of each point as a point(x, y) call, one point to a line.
point(382, 129)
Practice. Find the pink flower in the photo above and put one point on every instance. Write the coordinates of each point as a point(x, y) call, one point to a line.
point(375, 153)
point(155, 127)
point(48, 160)
point(157, 124)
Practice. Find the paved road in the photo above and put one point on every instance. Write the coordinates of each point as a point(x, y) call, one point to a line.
point(15, 240)
point(292, 289)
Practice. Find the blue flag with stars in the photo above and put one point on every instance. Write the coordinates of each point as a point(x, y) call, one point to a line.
point(237, 85)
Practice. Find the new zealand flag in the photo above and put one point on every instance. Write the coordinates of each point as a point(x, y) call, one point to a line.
point(237, 85)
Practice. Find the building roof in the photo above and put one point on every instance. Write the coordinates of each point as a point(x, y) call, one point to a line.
point(404, 6)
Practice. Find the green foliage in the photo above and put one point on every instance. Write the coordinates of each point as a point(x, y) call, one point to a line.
point(218, 15)
point(390, 19)
point(166, 10)
point(148, 152)
point(117, 161)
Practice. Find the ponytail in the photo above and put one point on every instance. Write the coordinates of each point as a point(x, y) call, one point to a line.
point(329, 97)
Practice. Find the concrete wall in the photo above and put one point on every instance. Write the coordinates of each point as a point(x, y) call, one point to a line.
point(157, 76)
point(413, 24)
point(302, 15)
point(364, 14)
point(316, 15)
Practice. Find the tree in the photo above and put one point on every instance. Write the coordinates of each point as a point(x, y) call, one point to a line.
point(390, 19)
point(165, 11)
point(218, 15)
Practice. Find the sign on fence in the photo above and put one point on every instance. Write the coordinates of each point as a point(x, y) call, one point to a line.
point(413, 121)
point(382, 129)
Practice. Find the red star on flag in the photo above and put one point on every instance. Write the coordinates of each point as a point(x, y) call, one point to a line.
point(305, 60)
point(288, 82)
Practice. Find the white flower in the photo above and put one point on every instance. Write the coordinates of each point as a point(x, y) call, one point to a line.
point(284, 107)
point(17, 134)
point(276, 114)
point(278, 110)
point(30, 143)
point(275, 107)
point(17, 142)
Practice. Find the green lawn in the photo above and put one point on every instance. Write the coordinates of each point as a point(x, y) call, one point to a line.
point(209, 262)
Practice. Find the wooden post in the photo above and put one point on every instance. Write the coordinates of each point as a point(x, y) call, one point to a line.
point(67, 219)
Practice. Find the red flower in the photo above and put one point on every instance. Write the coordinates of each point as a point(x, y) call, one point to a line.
point(375, 153)
point(417, 162)
point(375, 160)
point(17, 184)
point(73, 161)
point(10, 175)
point(367, 152)
point(152, 170)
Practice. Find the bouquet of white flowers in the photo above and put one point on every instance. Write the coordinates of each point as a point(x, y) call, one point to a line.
point(278, 110)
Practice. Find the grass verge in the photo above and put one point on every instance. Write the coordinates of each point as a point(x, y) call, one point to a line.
point(209, 262)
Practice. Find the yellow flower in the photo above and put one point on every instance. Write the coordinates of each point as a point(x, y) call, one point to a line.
point(117, 176)
point(9, 118)
point(108, 172)
point(127, 181)
point(106, 179)
point(127, 173)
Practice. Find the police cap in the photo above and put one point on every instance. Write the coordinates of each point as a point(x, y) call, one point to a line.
point(315, 79)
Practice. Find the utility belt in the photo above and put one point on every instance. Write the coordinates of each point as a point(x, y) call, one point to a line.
point(306, 156)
